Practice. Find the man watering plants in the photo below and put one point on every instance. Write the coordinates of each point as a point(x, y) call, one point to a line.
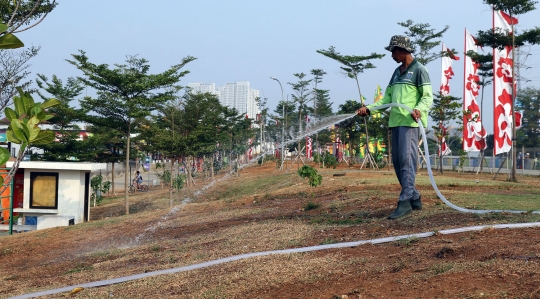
point(409, 85)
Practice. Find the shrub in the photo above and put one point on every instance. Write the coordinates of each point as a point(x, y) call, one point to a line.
point(309, 172)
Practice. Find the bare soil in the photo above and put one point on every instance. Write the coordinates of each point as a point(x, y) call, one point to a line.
point(266, 209)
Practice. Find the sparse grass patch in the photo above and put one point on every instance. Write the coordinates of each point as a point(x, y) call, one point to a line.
point(12, 277)
point(336, 206)
point(407, 241)
point(311, 206)
point(253, 186)
point(6, 251)
point(441, 268)
point(79, 268)
point(328, 241)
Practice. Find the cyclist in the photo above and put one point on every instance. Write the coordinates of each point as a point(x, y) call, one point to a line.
point(137, 180)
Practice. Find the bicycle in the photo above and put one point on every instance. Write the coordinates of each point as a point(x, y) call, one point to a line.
point(141, 188)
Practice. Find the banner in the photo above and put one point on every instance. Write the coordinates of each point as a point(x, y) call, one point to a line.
point(309, 147)
point(474, 134)
point(502, 87)
point(518, 117)
point(443, 146)
point(447, 71)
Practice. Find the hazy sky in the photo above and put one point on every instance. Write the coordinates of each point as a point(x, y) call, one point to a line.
point(247, 40)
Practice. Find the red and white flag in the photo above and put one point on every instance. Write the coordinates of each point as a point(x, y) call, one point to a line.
point(502, 87)
point(447, 71)
point(474, 134)
point(309, 147)
point(518, 116)
point(443, 148)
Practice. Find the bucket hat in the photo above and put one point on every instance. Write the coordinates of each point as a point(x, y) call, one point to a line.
point(400, 41)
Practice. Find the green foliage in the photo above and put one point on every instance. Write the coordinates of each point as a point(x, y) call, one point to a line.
point(10, 41)
point(352, 64)
point(68, 147)
point(178, 182)
point(300, 96)
point(446, 110)
point(21, 13)
point(499, 38)
point(326, 158)
point(309, 172)
point(24, 123)
point(24, 12)
point(98, 186)
point(528, 102)
point(126, 94)
point(165, 176)
point(462, 156)
point(423, 39)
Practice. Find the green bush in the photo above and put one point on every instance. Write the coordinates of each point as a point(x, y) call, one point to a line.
point(177, 183)
point(98, 186)
point(309, 172)
point(326, 158)
point(329, 160)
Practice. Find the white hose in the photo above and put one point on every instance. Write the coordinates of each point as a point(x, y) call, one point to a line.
point(448, 203)
point(265, 253)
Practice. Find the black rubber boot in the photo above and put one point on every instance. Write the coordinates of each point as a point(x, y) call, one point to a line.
point(403, 208)
point(416, 204)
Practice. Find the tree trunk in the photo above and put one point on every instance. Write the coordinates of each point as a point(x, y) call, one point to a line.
point(171, 184)
point(188, 173)
point(112, 179)
point(440, 160)
point(128, 170)
point(230, 162)
point(212, 166)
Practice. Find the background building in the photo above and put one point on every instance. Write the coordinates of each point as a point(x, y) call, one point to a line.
point(234, 95)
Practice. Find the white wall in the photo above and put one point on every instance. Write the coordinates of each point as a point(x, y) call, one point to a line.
point(70, 193)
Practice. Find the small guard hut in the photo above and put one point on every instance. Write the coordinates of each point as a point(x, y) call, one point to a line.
point(51, 194)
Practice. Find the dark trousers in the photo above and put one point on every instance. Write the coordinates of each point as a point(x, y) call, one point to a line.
point(405, 159)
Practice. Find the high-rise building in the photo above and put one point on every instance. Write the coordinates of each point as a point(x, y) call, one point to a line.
point(204, 87)
point(234, 95)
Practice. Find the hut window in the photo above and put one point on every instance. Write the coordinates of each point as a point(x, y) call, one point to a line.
point(43, 190)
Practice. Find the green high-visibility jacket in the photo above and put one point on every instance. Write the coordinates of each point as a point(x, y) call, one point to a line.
point(411, 88)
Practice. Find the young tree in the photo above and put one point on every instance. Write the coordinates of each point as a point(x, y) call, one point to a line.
point(500, 39)
point(300, 96)
point(350, 130)
point(352, 66)
point(318, 95)
point(424, 39)
point(68, 145)
point(126, 93)
point(290, 110)
point(445, 110)
point(261, 121)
